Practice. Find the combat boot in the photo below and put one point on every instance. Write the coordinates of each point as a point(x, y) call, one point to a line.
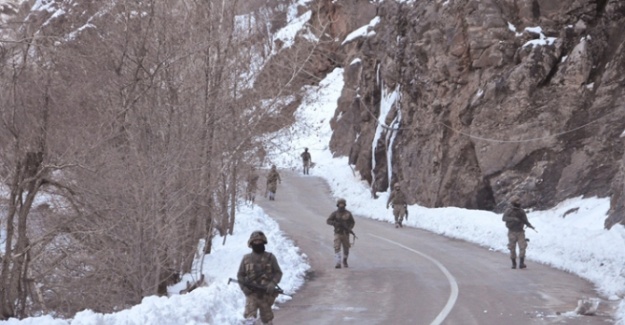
point(337, 258)
point(513, 262)
point(522, 263)
point(345, 262)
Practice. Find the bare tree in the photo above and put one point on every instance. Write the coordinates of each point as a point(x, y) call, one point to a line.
point(136, 128)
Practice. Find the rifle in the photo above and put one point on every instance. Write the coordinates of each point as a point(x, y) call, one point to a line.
point(344, 228)
point(258, 288)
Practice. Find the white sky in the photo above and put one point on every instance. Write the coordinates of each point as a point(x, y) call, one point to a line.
point(576, 243)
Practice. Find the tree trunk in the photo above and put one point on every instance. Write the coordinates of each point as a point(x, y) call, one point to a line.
point(233, 198)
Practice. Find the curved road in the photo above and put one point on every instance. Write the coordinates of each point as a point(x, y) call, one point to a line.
point(410, 276)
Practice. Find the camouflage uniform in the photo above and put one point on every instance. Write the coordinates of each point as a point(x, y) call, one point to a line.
point(252, 185)
point(258, 275)
point(516, 219)
point(272, 182)
point(343, 222)
point(306, 159)
point(398, 200)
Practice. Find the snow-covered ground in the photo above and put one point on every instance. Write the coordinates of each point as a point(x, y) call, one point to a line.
point(576, 243)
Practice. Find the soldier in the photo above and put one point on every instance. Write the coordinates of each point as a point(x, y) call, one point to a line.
point(273, 178)
point(258, 276)
point(252, 185)
point(516, 220)
point(400, 208)
point(306, 159)
point(343, 223)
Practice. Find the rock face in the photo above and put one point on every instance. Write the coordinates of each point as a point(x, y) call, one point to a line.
point(466, 102)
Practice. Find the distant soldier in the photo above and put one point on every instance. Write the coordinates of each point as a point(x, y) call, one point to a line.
point(516, 219)
point(400, 208)
point(258, 277)
point(306, 160)
point(252, 186)
point(273, 178)
point(343, 223)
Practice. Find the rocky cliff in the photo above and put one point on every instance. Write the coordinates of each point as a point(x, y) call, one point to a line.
point(467, 102)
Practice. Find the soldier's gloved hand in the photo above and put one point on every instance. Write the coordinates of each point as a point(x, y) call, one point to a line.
point(271, 288)
point(246, 291)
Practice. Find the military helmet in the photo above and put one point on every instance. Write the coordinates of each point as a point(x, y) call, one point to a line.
point(515, 199)
point(341, 201)
point(397, 185)
point(257, 235)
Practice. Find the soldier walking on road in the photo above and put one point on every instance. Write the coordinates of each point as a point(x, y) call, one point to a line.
point(252, 186)
point(343, 223)
point(273, 178)
point(258, 277)
point(306, 160)
point(400, 207)
point(516, 219)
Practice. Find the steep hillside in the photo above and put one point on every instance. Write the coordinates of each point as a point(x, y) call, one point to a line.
point(143, 117)
point(468, 102)
point(139, 120)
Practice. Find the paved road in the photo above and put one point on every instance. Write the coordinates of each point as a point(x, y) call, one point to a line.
point(410, 276)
